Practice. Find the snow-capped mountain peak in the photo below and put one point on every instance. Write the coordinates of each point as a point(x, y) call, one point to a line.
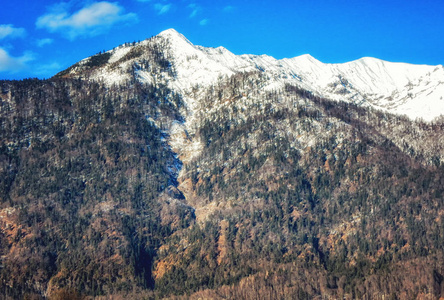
point(175, 39)
point(172, 33)
point(415, 90)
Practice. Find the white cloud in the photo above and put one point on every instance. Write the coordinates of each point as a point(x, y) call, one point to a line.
point(228, 8)
point(204, 22)
point(9, 31)
point(13, 64)
point(44, 42)
point(162, 8)
point(195, 9)
point(91, 20)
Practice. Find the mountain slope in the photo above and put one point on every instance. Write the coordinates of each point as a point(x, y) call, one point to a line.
point(167, 170)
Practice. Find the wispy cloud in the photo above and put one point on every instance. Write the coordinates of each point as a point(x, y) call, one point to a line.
point(13, 64)
point(162, 8)
point(195, 9)
point(9, 31)
point(228, 8)
point(44, 42)
point(91, 20)
point(204, 22)
point(48, 70)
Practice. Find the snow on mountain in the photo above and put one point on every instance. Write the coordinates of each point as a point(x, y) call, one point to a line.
point(196, 65)
point(414, 90)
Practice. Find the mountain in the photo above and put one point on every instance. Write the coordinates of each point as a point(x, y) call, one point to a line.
point(162, 169)
point(414, 90)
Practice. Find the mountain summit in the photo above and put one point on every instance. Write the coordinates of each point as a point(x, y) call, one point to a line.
point(414, 90)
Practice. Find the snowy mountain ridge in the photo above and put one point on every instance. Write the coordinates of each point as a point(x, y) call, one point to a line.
point(414, 90)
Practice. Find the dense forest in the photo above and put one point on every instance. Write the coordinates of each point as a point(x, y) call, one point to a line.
point(272, 194)
point(82, 171)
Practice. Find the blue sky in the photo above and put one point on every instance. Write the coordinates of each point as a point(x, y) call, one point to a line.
point(41, 38)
